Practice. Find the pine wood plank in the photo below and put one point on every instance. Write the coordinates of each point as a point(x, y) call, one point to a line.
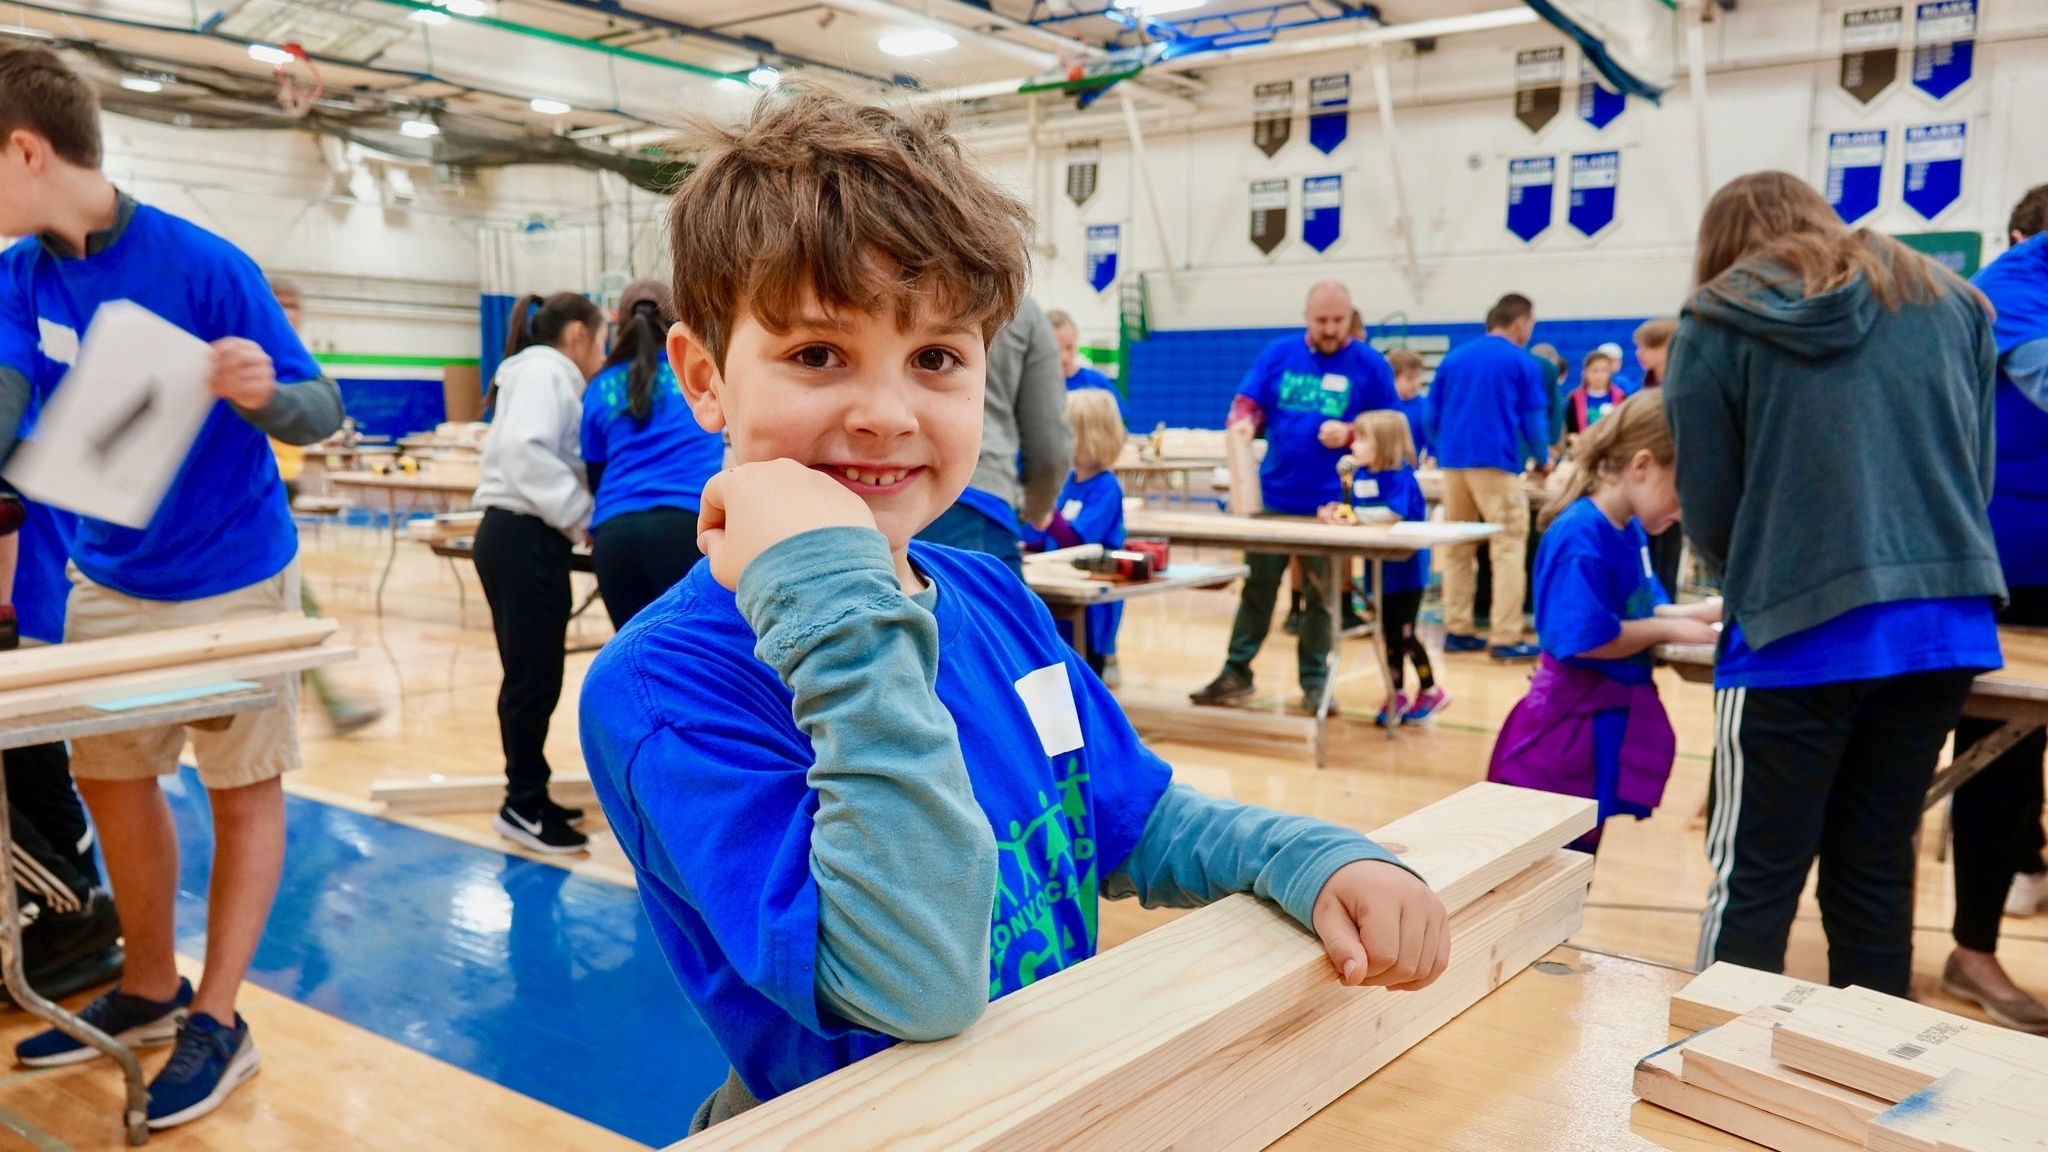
point(1734, 1060)
point(1660, 1081)
point(435, 795)
point(1893, 1048)
point(59, 663)
point(108, 689)
point(1725, 991)
point(1238, 728)
point(1048, 1061)
point(1917, 1123)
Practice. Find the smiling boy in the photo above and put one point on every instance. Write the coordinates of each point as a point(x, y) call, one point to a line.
point(842, 839)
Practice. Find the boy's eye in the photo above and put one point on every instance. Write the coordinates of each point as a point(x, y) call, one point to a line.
point(935, 359)
point(814, 356)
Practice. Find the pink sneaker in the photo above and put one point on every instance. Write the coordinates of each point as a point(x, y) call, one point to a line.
point(1428, 704)
point(1398, 702)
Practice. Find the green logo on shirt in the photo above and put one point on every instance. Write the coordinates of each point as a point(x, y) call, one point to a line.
point(1304, 392)
point(1044, 916)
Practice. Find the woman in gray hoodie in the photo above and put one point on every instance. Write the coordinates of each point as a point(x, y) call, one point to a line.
point(1830, 392)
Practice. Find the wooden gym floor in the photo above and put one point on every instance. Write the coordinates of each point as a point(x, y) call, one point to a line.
point(429, 663)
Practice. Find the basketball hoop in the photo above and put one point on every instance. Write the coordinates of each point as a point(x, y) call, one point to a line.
point(298, 82)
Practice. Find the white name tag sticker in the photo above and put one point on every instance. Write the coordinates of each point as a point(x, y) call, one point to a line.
point(1363, 489)
point(1649, 569)
point(1071, 510)
point(1048, 696)
point(59, 341)
point(1332, 382)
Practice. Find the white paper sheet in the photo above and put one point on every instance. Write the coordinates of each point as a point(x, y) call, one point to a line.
point(122, 421)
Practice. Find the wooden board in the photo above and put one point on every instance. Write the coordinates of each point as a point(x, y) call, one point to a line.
point(436, 795)
point(1289, 533)
point(1246, 498)
point(1725, 991)
point(59, 663)
point(1659, 1081)
point(1048, 1061)
point(1734, 1060)
point(1893, 1048)
point(1917, 1123)
point(1240, 728)
point(127, 685)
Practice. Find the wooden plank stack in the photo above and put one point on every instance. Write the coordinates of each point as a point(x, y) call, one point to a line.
point(1801, 1068)
point(100, 672)
point(1217, 1032)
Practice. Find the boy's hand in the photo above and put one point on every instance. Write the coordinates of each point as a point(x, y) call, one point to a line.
point(1708, 610)
point(750, 509)
point(1328, 513)
point(1333, 434)
point(1383, 926)
point(1688, 630)
point(242, 374)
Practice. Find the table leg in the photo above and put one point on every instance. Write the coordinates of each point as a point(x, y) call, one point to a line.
point(1977, 758)
point(1333, 603)
point(1379, 644)
point(391, 525)
point(135, 1117)
point(1079, 618)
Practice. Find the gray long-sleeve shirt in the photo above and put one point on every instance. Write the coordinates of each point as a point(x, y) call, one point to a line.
point(1026, 446)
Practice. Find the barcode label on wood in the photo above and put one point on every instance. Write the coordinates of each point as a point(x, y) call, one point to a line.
point(1799, 995)
point(1908, 1051)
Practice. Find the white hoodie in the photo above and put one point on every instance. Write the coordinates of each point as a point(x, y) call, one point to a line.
point(532, 460)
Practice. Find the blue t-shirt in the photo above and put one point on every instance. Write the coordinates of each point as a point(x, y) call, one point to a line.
point(223, 523)
point(1590, 578)
point(662, 465)
point(1488, 408)
point(1396, 490)
point(702, 771)
point(41, 590)
point(1094, 508)
point(2017, 284)
point(1298, 388)
point(1873, 642)
point(1086, 377)
point(1417, 412)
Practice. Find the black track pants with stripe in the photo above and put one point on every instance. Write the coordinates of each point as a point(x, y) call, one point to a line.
point(1833, 771)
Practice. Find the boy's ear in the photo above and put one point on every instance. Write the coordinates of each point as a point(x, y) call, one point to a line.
point(697, 372)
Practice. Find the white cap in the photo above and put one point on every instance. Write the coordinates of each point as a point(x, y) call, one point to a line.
point(1611, 350)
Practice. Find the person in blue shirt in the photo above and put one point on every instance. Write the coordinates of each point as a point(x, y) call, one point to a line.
point(1599, 392)
point(1090, 510)
point(645, 458)
point(1383, 487)
point(1997, 813)
point(1079, 375)
point(1409, 370)
point(1489, 418)
point(221, 545)
point(864, 785)
point(1831, 394)
point(1592, 724)
point(1304, 391)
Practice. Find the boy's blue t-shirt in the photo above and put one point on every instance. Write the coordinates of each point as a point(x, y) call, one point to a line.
point(1094, 508)
point(2017, 284)
point(1591, 577)
point(224, 523)
point(1416, 409)
point(1298, 388)
point(1488, 407)
point(1873, 642)
point(664, 464)
point(702, 772)
point(1397, 490)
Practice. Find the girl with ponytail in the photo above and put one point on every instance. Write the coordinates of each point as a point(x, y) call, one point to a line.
point(1592, 724)
point(647, 458)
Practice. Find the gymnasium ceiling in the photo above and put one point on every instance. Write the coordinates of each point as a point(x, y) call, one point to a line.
point(596, 82)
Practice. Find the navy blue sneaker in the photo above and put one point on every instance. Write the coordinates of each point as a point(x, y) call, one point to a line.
point(210, 1062)
point(1456, 643)
point(135, 1022)
point(1514, 652)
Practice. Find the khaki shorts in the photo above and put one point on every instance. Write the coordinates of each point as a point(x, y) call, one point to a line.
point(254, 747)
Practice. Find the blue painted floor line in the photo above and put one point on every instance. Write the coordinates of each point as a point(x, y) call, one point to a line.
point(541, 981)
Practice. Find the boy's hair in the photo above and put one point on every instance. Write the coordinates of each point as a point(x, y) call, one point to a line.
point(1059, 319)
point(1550, 355)
point(1599, 354)
point(870, 210)
point(1637, 424)
point(1404, 362)
point(2030, 215)
point(40, 95)
point(1656, 333)
point(1508, 309)
point(1098, 427)
point(1388, 441)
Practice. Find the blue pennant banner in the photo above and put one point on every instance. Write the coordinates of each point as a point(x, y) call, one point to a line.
point(1944, 45)
point(1322, 211)
point(1532, 189)
point(1598, 104)
point(1595, 175)
point(1329, 111)
point(1103, 242)
point(1855, 170)
point(1934, 167)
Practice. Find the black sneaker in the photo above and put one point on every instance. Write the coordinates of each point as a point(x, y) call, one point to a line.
point(1355, 625)
point(59, 940)
point(573, 817)
point(1293, 625)
point(1227, 688)
point(542, 828)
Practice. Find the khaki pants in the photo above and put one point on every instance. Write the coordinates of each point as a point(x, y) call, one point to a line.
point(254, 747)
point(1495, 497)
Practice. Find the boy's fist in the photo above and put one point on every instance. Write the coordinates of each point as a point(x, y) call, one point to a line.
point(750, 509)
point(1381, 925)
point(242, 374)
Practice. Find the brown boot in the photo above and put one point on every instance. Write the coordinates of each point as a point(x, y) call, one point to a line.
point(2023, 1014)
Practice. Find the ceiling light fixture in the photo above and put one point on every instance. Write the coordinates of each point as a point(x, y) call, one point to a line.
point(265, 54)
point(432, 17)
point(922, 42)
point(419, 129)
point(1161, 7)
point(764, 77)
point(547, 107)
point(141, 84)
point(466, 7)
point(730, 83)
